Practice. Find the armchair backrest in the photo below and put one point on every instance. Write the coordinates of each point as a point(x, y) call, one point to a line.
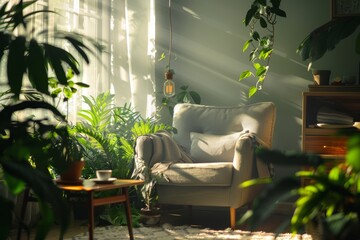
point(258, 118)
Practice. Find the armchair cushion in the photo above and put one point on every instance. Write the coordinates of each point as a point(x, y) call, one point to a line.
point(194, 174)
point(213, 147)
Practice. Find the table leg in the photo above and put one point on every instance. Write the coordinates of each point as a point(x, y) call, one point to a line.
point(23, 210)
point(128, 213)
point(91, 215)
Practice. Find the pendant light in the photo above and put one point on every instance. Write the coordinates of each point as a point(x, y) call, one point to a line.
point(169, 85)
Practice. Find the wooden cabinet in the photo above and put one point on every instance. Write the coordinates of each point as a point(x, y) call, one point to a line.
point(325, 140)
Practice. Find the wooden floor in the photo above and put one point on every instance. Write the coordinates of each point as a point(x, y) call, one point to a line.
point(206, 217)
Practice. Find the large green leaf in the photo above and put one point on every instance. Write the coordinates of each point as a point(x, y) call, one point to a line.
point(79, 47)
point(275, 3)
point(252, 91)
point(250, 14)
point(8, 111)
point(247, 44)
point(266, 201)
point(16, 64)
point(279, 12)
point(37, 67)
point(43, 186)
point(263, 22)
point(245, 74)
point(6, 217)
point(326, 37)
point(5, 39)
point(56, 57)
point(195, 97)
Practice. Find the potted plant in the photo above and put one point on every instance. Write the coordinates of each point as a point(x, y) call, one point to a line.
point(70, 163)
point(150, 214)
point(327, 202)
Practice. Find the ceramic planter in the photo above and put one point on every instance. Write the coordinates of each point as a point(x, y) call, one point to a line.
point(73, 173)
point(150, 216)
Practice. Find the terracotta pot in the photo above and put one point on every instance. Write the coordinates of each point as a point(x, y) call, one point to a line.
point(73, 173)
point(150, 216)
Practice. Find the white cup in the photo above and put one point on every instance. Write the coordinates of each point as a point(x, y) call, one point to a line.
point(103, 174)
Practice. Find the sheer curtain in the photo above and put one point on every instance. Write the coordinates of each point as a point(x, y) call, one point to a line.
point(127, 67)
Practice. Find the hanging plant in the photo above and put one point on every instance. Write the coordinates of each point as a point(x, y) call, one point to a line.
point(264, 15)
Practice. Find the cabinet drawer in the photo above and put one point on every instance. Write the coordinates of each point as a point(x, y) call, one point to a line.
point(325, 144)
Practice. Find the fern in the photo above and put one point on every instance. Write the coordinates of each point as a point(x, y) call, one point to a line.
point(100, 110)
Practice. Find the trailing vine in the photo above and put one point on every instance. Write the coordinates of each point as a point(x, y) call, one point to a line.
point(265, 15)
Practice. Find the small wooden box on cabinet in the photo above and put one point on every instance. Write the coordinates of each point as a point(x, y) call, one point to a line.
point(322, 140)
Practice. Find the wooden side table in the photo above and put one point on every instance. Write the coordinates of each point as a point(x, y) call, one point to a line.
point(123, 197)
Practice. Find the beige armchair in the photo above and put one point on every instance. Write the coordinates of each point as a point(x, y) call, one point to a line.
point(211, 153)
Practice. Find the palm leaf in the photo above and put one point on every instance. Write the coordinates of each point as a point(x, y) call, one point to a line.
point(99, 112)
point(16, 64)
point(37, 67)
point(266, 202)
point(56, 56)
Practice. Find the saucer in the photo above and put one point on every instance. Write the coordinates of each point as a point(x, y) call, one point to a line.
point(100, 181)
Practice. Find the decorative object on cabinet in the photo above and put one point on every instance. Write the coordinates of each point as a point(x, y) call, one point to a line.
point(321, 77)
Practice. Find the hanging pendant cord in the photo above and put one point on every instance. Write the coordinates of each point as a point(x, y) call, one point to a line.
point(170, 42)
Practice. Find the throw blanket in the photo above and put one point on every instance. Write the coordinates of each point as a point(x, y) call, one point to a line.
point(166, 150)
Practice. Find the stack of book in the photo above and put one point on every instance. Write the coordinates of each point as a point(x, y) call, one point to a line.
point(327, 115)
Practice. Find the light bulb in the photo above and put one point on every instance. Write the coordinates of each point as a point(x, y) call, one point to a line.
point(169, 88)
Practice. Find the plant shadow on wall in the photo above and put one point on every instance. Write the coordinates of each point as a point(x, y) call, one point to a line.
point(327, 198)
point(26, 140)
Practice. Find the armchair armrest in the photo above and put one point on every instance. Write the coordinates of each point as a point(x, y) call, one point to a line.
point(143, 149)
point(246, 164)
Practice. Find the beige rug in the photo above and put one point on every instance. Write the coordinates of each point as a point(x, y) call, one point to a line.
point(168, 231)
